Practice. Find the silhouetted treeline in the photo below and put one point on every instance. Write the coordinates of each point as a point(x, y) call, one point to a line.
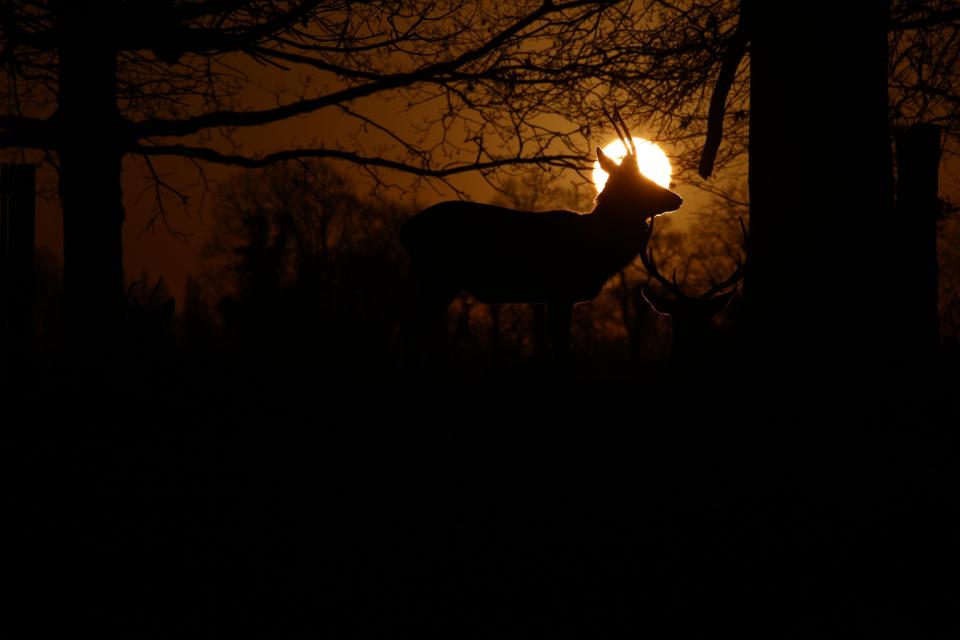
point(301, 267)
point(301, 263)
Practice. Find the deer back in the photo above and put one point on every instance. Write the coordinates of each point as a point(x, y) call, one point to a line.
point(504, 255)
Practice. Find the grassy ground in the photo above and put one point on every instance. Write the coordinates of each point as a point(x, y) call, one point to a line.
point(216, 497)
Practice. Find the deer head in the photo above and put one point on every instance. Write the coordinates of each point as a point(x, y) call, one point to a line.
point(629, 192)
point(692, 316)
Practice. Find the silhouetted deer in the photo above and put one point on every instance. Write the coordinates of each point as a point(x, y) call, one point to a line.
point(560, 257)
point(691, 316)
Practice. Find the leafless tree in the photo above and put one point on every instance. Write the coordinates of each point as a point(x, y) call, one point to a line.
point(482, 86)
point(296, 256)
point(89, 82)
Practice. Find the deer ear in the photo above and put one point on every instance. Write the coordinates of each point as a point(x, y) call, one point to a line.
point(606, 163)
point(661, 304)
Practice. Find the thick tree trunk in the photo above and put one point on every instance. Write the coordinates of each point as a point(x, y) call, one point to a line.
point(821, 191)
point(91, 152)
point(918, 164)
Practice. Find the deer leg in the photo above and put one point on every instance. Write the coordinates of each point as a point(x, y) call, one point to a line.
point(558, 316)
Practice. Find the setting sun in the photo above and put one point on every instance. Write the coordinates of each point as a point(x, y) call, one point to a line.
point(653, 162)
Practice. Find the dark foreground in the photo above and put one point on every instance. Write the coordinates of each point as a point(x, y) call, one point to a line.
point(226, 500)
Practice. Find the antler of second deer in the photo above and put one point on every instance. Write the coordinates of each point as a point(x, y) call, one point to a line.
point(646, 257)
point(738, 272)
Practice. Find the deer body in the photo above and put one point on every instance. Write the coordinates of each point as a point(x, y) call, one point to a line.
point(560, 257)
point(502, 255)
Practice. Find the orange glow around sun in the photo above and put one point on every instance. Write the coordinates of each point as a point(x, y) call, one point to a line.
point(651, 159)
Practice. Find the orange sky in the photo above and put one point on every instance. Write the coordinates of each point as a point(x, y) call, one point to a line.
point(156, 251)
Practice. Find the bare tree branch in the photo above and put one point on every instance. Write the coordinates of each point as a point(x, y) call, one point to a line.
point(575, 162)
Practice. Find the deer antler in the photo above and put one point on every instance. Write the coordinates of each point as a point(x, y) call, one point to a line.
point(633, 147)
point(718, 287)
point(737, 275)
point(616, 127)
point(646, 257)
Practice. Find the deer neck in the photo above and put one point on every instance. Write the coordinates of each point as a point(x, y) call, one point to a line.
point(623, 235)
point(622, 223)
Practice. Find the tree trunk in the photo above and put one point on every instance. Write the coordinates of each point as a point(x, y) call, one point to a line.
point(91, 152)
point(821, 183)
point(918, 165)
point(17, 262)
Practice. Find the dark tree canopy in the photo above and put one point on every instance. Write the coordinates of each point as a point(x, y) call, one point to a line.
point(189, 75)
point(192, 74)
